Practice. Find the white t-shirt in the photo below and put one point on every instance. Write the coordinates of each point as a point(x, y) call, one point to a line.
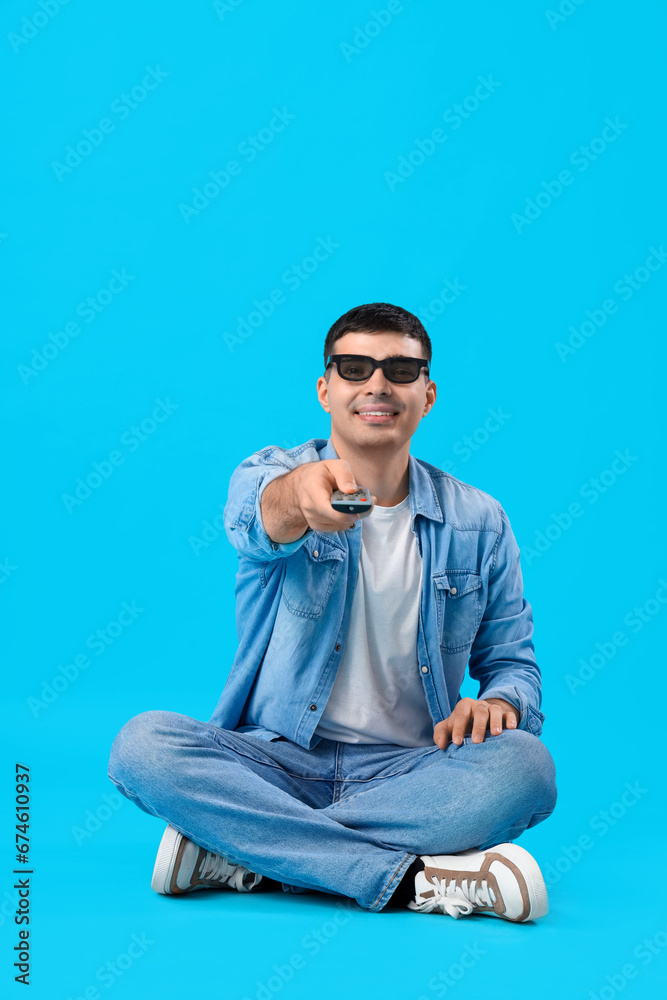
point(378, 695)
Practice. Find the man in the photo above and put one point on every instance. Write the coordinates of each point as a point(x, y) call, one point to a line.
point(341, 757)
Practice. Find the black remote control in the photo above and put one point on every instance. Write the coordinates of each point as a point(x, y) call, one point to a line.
point(358, 502)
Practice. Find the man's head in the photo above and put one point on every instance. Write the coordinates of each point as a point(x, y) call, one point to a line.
point(379, 331)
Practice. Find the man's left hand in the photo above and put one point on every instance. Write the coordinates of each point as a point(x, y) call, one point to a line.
point(477, 716)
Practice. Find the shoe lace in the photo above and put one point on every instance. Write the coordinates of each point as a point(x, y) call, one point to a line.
point(459, 898)
point(217, 868)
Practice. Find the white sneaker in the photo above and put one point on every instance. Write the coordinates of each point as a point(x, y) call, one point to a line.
point(503, 881)
point(182, 866)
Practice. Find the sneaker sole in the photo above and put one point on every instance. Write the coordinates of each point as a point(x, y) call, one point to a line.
point(164, 863)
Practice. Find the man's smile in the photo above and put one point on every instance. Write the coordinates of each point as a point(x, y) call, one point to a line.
point(378, 414)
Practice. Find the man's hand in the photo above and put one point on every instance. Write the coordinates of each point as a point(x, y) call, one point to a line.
point(301, 499)
point(317, 482)
point(478, 716)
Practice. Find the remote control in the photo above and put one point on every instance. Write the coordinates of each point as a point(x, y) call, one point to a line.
point(358, 502)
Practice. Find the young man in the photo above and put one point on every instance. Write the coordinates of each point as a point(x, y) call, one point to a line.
point(341, 757)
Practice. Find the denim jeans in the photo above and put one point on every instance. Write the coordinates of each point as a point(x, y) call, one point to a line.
point(342, 818)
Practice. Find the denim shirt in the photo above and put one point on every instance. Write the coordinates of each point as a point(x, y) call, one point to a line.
point(293, 603)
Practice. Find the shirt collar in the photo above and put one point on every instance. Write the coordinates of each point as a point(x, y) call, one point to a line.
point(423, 496)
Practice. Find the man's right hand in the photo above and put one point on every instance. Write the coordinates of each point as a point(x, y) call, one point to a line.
point(317, 481)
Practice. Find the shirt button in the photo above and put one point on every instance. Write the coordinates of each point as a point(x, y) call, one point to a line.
point(424, 670)
point(313, 708)
point(273, 545)
point(316, 553)
point(453, 590)
point(337, 646)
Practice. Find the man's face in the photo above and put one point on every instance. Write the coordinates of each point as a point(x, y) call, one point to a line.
point(343, 399)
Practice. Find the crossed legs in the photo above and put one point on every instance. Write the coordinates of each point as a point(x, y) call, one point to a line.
point(344, 819)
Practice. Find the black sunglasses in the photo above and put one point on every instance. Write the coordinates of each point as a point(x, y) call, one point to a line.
point(358, 367)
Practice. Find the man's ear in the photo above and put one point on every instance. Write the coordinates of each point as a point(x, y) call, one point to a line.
point(431, 395)
point(323, 393)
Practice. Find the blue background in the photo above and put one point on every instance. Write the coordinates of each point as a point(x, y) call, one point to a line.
point(223, 70)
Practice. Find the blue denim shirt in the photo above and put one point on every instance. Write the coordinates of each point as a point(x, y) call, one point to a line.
point(293, 603)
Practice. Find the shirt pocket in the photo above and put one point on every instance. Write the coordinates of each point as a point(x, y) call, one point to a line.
point(310, 575)
point(459, 606)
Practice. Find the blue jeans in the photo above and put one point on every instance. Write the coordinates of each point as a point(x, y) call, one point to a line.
point(343, 818)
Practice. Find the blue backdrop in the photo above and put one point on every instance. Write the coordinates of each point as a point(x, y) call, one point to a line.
point(189, 193)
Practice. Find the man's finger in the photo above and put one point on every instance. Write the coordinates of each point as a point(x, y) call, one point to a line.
point(460, 724)
point(441, 733)
point(341, 470)
point(495, 719)
point(480, 718)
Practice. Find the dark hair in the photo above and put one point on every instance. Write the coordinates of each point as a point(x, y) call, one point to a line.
point(377, 316)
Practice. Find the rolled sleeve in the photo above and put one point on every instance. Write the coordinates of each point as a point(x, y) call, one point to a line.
point(243, 513)
point(531, 717)
point(502, 656)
